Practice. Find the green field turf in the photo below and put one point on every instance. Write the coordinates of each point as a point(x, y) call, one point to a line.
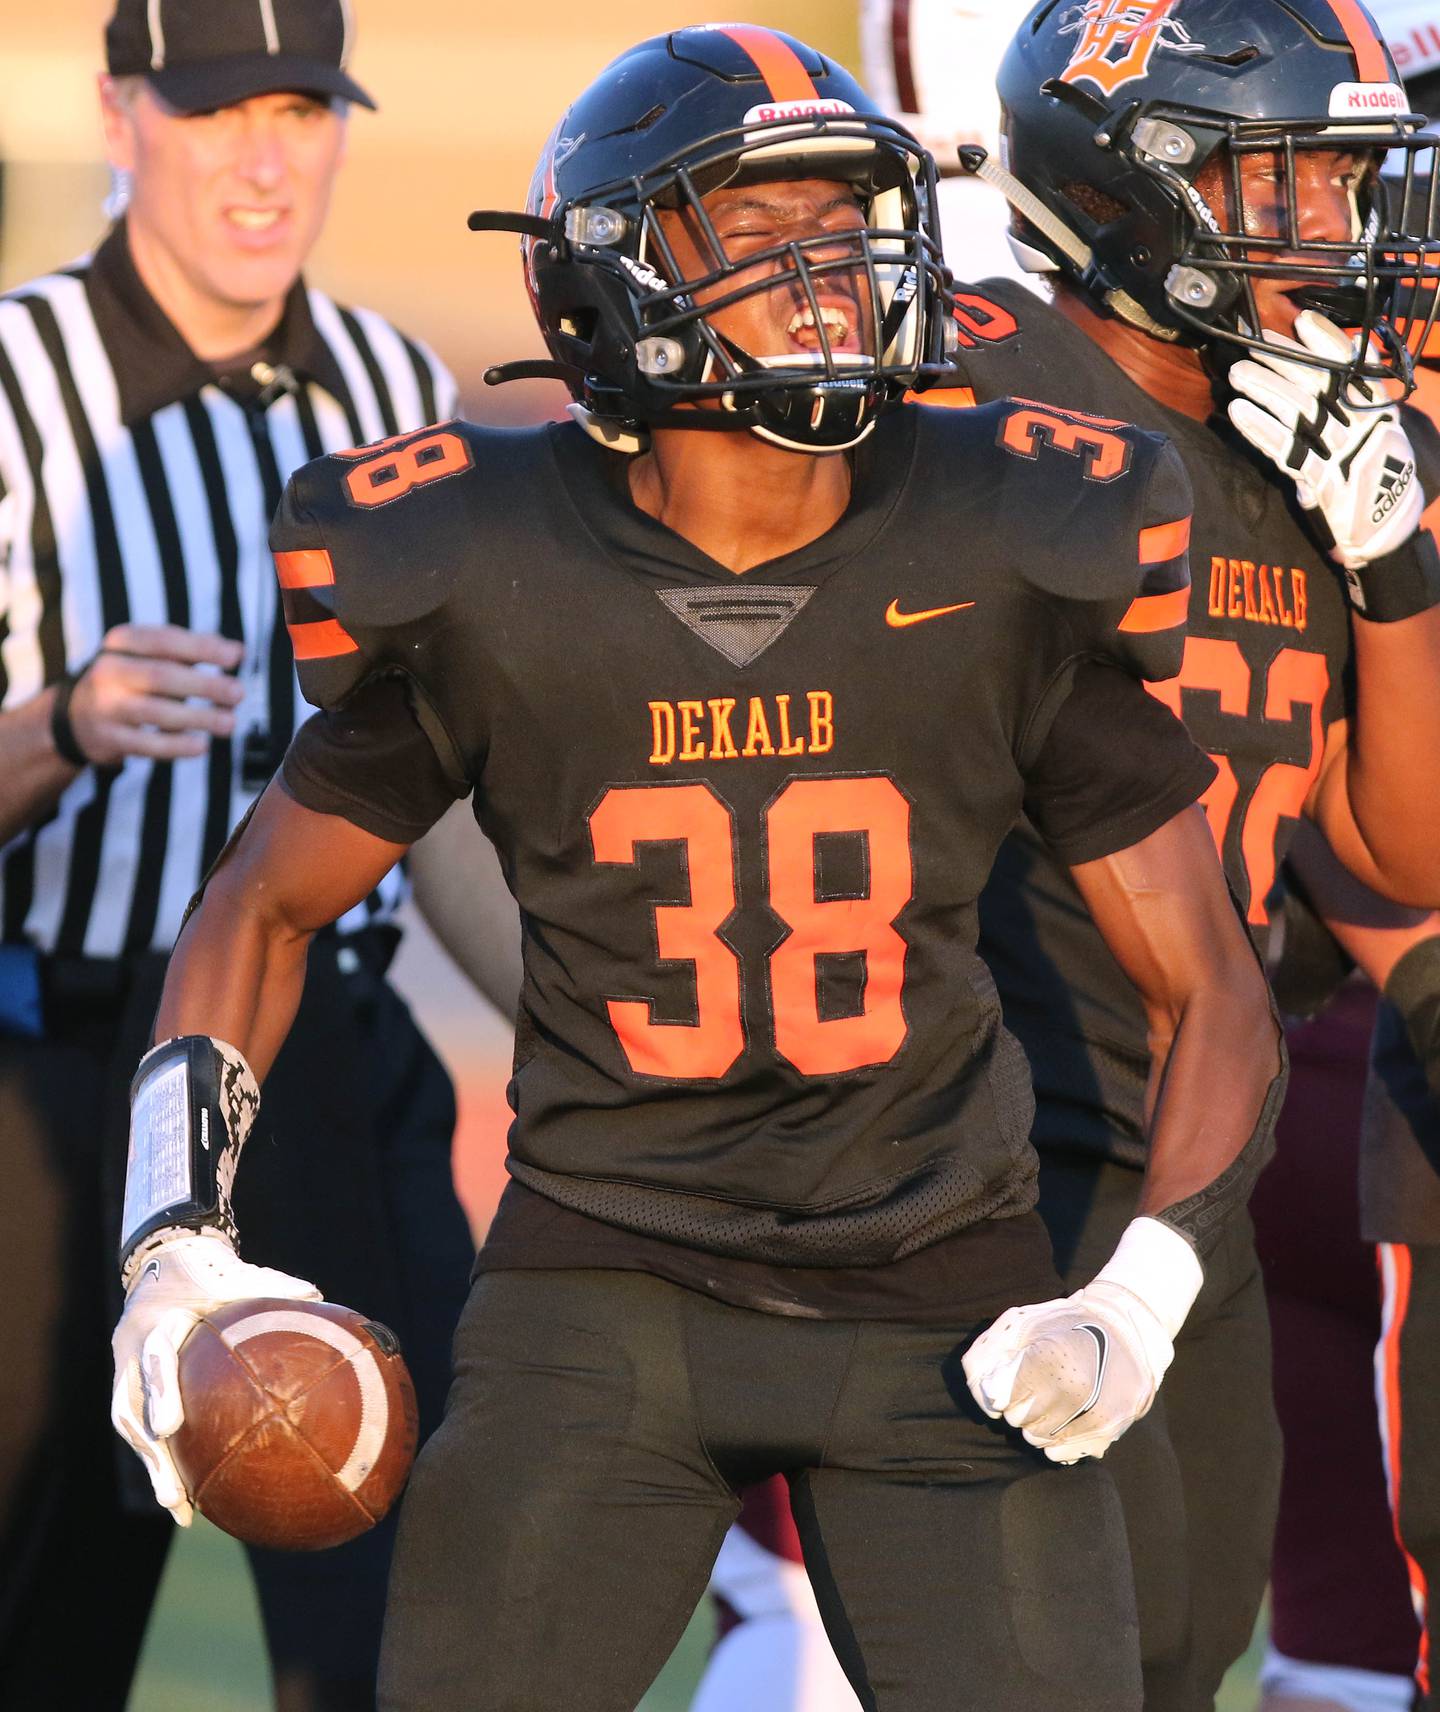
point(203, 1652)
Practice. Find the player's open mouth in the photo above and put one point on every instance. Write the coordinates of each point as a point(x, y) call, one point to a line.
point(838, 323)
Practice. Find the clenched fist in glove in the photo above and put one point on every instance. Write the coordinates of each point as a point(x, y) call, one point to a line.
point(183, 1276)
point(1072, 1375)
point(1349, 456)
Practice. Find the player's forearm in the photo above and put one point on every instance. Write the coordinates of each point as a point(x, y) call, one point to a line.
point(1394, 748)
point(1217, 1054)
point(1218, 1081)
point(236, 974)
point(32, 773)
point(239, 964)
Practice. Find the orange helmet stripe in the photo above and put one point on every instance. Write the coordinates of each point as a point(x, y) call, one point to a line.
point(776, 61)
point(1369, 50)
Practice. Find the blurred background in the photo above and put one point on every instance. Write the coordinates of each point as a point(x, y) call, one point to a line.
point(468, 94)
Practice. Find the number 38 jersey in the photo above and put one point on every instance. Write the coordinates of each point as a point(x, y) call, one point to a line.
point(747, 818)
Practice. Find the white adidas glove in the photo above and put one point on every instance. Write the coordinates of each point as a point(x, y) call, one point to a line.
point(1357, 467)
point(186, 1274)
point(1072, 1375)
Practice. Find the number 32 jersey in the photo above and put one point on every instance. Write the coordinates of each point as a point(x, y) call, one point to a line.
point(747, 818)
point(1264, 675)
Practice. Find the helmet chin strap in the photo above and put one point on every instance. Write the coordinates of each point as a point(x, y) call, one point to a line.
point(610, 431)
point(632, 438)
point(978, 164)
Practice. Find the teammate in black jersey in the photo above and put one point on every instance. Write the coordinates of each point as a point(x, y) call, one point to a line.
point(747, 723)
point(1200, 183)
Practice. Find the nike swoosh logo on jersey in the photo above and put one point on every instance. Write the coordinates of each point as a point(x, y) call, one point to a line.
point(897, 620)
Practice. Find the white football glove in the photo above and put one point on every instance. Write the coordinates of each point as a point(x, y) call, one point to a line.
point(1072, 1375)
point(1361, 475)
point(186, 1274)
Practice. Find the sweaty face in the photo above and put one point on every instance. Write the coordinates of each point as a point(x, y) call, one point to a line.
point(781, 321)
point(1331, 189)
point(234, 198)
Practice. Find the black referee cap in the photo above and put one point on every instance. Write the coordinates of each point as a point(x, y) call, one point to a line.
point(201, 54)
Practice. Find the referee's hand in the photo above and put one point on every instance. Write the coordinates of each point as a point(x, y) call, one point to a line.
point(154, 690)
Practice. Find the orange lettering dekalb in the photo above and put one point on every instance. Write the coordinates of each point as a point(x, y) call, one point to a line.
point(1256, 593)
point(680, 730)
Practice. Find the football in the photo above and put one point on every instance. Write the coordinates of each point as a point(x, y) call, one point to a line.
point(300, 1422)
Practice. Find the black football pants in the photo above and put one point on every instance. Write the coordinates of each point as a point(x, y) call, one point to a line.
point(346, 1181)
point(561, 1525)
point(1199, 1476)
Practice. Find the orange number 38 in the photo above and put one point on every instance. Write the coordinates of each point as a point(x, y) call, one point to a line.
point(693, 815)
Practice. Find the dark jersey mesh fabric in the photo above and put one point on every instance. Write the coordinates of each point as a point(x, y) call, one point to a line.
point(982, 1270)
point(1267, 660)
point(754, 1024)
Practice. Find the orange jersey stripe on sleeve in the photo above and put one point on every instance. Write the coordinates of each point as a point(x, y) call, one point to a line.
point(1150, 612)
point(309, 567)
point(1164, 541)
point(321, 640)
point(776, 61)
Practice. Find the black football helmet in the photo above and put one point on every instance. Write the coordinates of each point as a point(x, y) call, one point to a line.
point(663, 126)
point(1111, 109)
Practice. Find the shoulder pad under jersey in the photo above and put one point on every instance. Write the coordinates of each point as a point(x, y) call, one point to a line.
point(1092, 514)
point(373, 546)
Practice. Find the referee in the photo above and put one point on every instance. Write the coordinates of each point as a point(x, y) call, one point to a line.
point(153, 401)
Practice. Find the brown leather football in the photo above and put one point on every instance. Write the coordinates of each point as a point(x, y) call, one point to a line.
point(300, 1422)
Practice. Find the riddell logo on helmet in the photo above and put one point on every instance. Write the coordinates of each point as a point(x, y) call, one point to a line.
point(1118, 39)
point(820, 108)
point(1367, 98)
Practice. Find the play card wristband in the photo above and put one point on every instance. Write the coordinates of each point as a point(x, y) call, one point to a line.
point(192, 1103)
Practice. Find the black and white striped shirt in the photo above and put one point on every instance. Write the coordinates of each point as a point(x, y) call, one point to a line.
point(137, 485)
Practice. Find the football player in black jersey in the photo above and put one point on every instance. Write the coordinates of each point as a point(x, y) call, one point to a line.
point(748, 715)
point(1201, 185)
